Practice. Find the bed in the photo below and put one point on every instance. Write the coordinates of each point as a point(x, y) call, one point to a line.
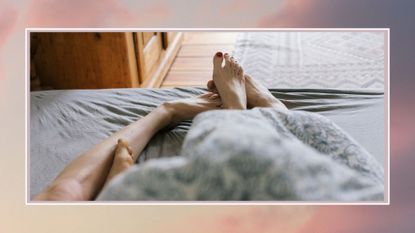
point(340, 77)
point(63, 124)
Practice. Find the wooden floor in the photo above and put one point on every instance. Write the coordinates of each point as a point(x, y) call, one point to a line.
point(193, 64)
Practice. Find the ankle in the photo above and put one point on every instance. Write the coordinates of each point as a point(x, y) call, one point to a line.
point(170, 113)
point(273, 103)
point(237, 106)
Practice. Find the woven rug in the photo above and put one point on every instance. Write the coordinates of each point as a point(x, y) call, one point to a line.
point(347, 60)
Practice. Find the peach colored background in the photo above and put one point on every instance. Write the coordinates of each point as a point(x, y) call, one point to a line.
point(16, 15)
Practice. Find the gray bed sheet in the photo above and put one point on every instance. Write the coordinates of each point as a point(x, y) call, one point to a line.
point(63, 124)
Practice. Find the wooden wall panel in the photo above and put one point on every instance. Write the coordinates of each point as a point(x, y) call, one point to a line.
point(147, 36)
point(152, 54)
point(156, 75)
point(85, 60)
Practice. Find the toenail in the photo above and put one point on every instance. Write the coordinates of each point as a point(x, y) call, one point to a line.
point(219, 54)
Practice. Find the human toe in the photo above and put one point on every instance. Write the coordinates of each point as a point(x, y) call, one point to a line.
point(211, 86)
point(217, 60)
point(227, 60)
point(239, 69)
point(214, 96)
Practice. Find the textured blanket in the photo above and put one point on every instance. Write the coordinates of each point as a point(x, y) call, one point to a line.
point(353, 60)
point(259, 154)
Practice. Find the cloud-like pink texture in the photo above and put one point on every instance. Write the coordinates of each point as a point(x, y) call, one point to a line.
point(295, 13)
point(8, 18)
point(289, 14)
point(237, 7)
point(261, 219)
point(96, 13)
point(76, 13)
point(140, 13)
point(328, 13)
point(402, 129)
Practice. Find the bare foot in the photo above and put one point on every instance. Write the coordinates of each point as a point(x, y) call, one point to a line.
point(186, 109)
point(123, 159)
point(230, 81)
point(257, 94)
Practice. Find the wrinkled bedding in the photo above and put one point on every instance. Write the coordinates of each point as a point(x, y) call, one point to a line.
point(63, 124)
point(259, 154)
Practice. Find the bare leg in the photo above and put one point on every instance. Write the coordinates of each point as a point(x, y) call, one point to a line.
point(188, 108)
point(85, 176)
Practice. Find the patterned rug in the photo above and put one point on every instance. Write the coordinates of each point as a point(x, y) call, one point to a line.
point(347, 60)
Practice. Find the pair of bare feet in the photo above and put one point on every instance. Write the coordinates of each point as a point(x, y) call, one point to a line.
point(236, 89)
point(229, 89)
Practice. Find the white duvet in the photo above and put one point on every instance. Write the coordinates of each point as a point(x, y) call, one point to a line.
point(260, 154)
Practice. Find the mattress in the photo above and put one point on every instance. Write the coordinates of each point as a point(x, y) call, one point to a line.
point(63, 124)
point(353, 60)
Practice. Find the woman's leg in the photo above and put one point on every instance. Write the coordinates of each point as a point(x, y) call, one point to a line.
point(84, 177)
